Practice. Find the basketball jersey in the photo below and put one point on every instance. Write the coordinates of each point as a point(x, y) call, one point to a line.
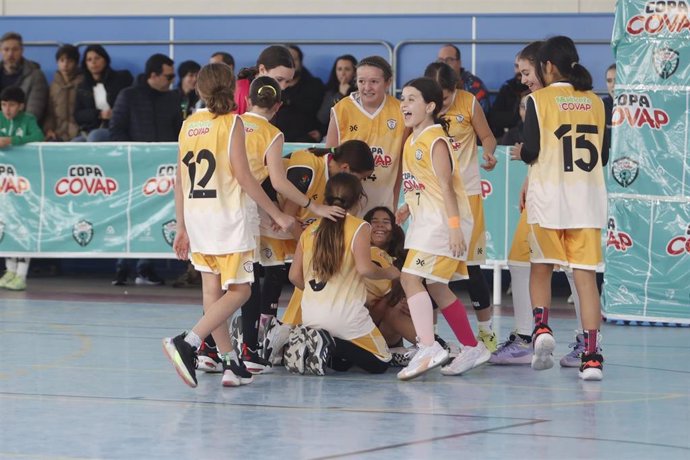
point(428, 230)
point(338, 304)
point(376, 289)
point(383, 132)
point(314, 180)
point(566, 181)
point(216, 209)
point(464, 139)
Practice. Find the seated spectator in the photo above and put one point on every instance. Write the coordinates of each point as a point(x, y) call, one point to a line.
point(97, 93)
point(301, 101)
point(514, 135)
point(149, 111)
point(450, 54)
point(225, 58)
point(17, 127)
point(187, 73)
point(59, 124)
point(608, 99)
point(504, 111)
point(275, 62)
point(341, 83)
point(17, 71)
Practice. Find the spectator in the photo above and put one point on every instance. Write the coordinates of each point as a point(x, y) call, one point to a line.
point(275, 62)
point(450, 54)
point(149, 111)
point(340, 84)
point(97, 93)
point(225, 58)
point(503, 114)
point(608, 100)
point(514, 135)
point(187, 73)
point(17, 71)
point(301, 101)
point(60, 124)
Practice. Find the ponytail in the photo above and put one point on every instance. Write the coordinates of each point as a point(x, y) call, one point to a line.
point(354, 153)
point(562, 53)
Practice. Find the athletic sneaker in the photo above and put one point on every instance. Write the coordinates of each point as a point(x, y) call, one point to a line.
point(469, 358)
point(488, 338)
point(17, 283)
point(235, 373)
point(148, 278)
point(544, 344)
point(592, 367)
point(208, 359)
point(183, 357)
point(401, 356)
point(275, 339)
point(254, 362)
point(320, 346)
point(570, 299)
point(515, 350)
point(236, 335)
point(427, 358)
point(573, 359)
point(6, 278)
point(452, 349)
point(296, 351)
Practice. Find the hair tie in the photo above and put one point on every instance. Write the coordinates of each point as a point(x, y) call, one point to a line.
point(269, 87)
point(332, 150)
point(572, 66)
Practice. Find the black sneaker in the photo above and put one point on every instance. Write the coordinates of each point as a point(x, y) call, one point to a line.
point(183, 357)
point(296, 352)
point(254, 362)
point(235, 373)
point(320, 346)
point(208, 359)
point(275, 339)
point(120, 277)
point(592, 367)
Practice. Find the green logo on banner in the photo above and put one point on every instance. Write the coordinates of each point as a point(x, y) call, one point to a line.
point(169, 230)
point(666, 62)
point(625, 170)
point(82, 232)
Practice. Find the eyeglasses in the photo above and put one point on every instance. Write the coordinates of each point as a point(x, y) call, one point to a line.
point(170, 76)
point(447, 60)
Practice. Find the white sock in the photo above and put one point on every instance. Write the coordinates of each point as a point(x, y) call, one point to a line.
point(22, 268)
point(11, 264)
point(485, 326)
point(193, 339)
point(522, 303)
point(576, 300)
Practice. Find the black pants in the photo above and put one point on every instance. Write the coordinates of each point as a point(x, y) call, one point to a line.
point(347, 354)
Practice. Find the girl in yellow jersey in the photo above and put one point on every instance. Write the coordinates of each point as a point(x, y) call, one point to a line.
point(264, 145)
point(213, 212)
point(566, 147)
point(467, 122)
point(438, 235)
point(372, 115)
point(331, 262)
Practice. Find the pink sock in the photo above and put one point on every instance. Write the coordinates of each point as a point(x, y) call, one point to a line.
point(456, 316)
point(591, 339)
point(422, 317)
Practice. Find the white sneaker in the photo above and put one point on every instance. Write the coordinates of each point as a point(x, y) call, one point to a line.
point(424, 360)
point(570, 299)
point(469, 358)
point(275, 338)
point(544, 344)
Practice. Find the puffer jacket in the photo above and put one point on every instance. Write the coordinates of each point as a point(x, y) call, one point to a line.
point(35, 86)
point(61, 103)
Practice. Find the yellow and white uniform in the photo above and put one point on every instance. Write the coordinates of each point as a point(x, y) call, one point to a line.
point(309, 173)
point(377, 289)
point(428, 237)
point(338, 304)
point(216, 209)
point(566, 182)
point(463, 139)
point(383, 132)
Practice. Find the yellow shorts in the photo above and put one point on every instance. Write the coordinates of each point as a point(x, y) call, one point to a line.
point(272, 251)
point(236, 268)
point(573, 247)
point(374, 343)
point(519, 250)
point(477, 253)
point(441, 269)
point(293, 312)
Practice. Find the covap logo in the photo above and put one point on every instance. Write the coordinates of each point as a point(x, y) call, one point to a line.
point(625, 170)
point(617, 239)
point(487, 188)
point(679, 245)
point(381, 158)
point(82, 232)
point(162, 183)
point(637, 111)
point(410, 183)
point(659, 17)
point(666, 62)
point(169, 229)
point(12, 182)
point(89, 179)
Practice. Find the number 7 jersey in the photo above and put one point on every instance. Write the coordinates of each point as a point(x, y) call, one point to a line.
point(566, 181)
point(216, 209)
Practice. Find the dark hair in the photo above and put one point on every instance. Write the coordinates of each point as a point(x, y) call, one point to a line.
point(12, 36)
point(333, 83)
point(354, 153)
point(225, 57)
point(458, 56)
point(13, 94)
point(431, 92)
point(71, 52)
point(155, 64)
point(378, 62)
point(396, 244)
point(264, 92)
point(271, 57)
point(186, 68)
point(444, 75)
point(216, 86)
point(98, 49)
point(530, 53)
point(561, 52)
point(297, 50)
point(611, 67)
point(344, 190)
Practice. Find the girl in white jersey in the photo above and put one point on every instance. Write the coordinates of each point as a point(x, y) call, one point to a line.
point(438, 235)
point(213, 221)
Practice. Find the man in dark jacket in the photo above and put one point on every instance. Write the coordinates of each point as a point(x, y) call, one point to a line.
point(17, 71)
point(149, 111)
point(504, 112)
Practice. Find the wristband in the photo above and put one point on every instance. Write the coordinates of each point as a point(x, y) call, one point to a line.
point(307, 205)
point(454, 222)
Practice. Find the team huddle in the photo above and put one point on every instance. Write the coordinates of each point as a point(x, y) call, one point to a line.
point(362, 285)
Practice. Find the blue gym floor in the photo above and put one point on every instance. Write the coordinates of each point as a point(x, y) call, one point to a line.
point(84, 377)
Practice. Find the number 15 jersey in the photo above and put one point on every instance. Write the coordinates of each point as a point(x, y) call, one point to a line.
point(216, 210)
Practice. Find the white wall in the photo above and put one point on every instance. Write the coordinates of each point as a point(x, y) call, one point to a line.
point(273, 7)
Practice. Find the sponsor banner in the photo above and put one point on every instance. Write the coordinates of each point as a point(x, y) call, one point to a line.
point(643, 21)
point(659, 62)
